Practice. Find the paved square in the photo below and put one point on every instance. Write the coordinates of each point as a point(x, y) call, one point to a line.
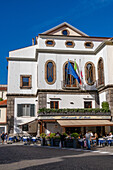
point(43, 158)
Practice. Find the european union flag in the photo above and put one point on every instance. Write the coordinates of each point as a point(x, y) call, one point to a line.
point(70, 70)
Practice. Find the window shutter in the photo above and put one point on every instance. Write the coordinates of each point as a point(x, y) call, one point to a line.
point(32, 110)
point(19, 110)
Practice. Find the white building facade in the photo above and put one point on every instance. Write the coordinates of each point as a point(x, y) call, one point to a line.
point(37, 78)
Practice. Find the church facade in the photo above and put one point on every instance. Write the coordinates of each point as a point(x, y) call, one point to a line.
point(38, 79)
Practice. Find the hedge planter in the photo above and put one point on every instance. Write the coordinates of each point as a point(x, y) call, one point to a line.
point(71, 143)
point(56, 141)
point(48, 142)
point(43, 142)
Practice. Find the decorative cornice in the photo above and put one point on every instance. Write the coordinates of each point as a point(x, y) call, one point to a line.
point(28, 95)
point(20, 59)
point(104, 88)
point(66, 91)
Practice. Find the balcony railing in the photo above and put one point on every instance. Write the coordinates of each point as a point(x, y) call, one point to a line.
point(69, 85)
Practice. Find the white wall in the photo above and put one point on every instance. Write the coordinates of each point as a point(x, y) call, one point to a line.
point(102, 98)
point(60, 59)
point(16, 69)
point(109, 75)
point(27, 52)
point(3, 115)
point(23, 119)
point(65, 100)
point(3, 95)
point(60, 44)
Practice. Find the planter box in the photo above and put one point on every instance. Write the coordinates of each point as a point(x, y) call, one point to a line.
point(71, 143)
point(56, 142)
point(48, 142)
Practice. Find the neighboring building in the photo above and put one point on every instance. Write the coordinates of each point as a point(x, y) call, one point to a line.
point(3, 116)
point(3, 92)
point(37, 78)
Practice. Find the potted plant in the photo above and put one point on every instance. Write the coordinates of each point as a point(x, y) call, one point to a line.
point(74, 136)
point(43, 135)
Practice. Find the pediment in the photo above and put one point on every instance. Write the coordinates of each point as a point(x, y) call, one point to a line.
point(65, 27)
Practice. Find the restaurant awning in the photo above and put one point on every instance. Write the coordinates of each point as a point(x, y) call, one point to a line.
point(84, 123)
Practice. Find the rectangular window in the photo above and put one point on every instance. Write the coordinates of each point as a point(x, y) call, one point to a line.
point(0, 113)
point(87, 104)
point(25, 110)
point(54, 104)
point(25, 81)
point(25, 127)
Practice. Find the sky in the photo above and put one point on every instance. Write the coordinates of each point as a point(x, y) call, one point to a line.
point(22, 20)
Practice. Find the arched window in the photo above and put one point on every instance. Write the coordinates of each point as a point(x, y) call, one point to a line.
point(50, 72)
point(68, 79)
point(89, 73)
point(100, 72)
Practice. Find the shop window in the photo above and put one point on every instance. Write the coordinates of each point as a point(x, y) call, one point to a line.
point(70, 44)
point(68, 79)
point(25, 81)
point(50, 72)
point(88, 45)
point(54, 104)
point(65, 32)
point(25, 110)
point(25, 127)
point(88, 104)
point(100, 72)
point(90, 73)
point(50, 43)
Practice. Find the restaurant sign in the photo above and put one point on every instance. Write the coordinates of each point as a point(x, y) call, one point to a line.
point(72, 117)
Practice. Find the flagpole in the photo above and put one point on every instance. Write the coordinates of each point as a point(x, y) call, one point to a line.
point(67, 73)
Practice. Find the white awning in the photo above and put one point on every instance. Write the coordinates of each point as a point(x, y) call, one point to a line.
point(83, 123)
point(24, 123)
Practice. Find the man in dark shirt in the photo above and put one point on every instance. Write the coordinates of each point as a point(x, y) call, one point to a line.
point(3, 137)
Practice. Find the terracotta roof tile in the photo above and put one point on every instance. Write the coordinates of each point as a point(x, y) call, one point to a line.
point(4, 102)
point(3, 88)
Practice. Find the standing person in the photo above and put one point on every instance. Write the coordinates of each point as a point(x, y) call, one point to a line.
point(6, 137)
point(2, 137)
point(88, 138)
point(62, 138)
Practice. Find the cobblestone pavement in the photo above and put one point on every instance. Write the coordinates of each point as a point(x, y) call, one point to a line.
point(18, 156)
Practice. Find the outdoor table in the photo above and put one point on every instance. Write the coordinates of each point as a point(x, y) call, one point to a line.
point(101, 141)
point(109, 141)
point(25, 139)
point(11, 138)
point(33, 139)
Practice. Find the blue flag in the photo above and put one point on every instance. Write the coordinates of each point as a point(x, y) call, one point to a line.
point(70, 70)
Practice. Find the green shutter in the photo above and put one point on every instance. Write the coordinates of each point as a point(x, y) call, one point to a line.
point(19, 110)
point(32, 110)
